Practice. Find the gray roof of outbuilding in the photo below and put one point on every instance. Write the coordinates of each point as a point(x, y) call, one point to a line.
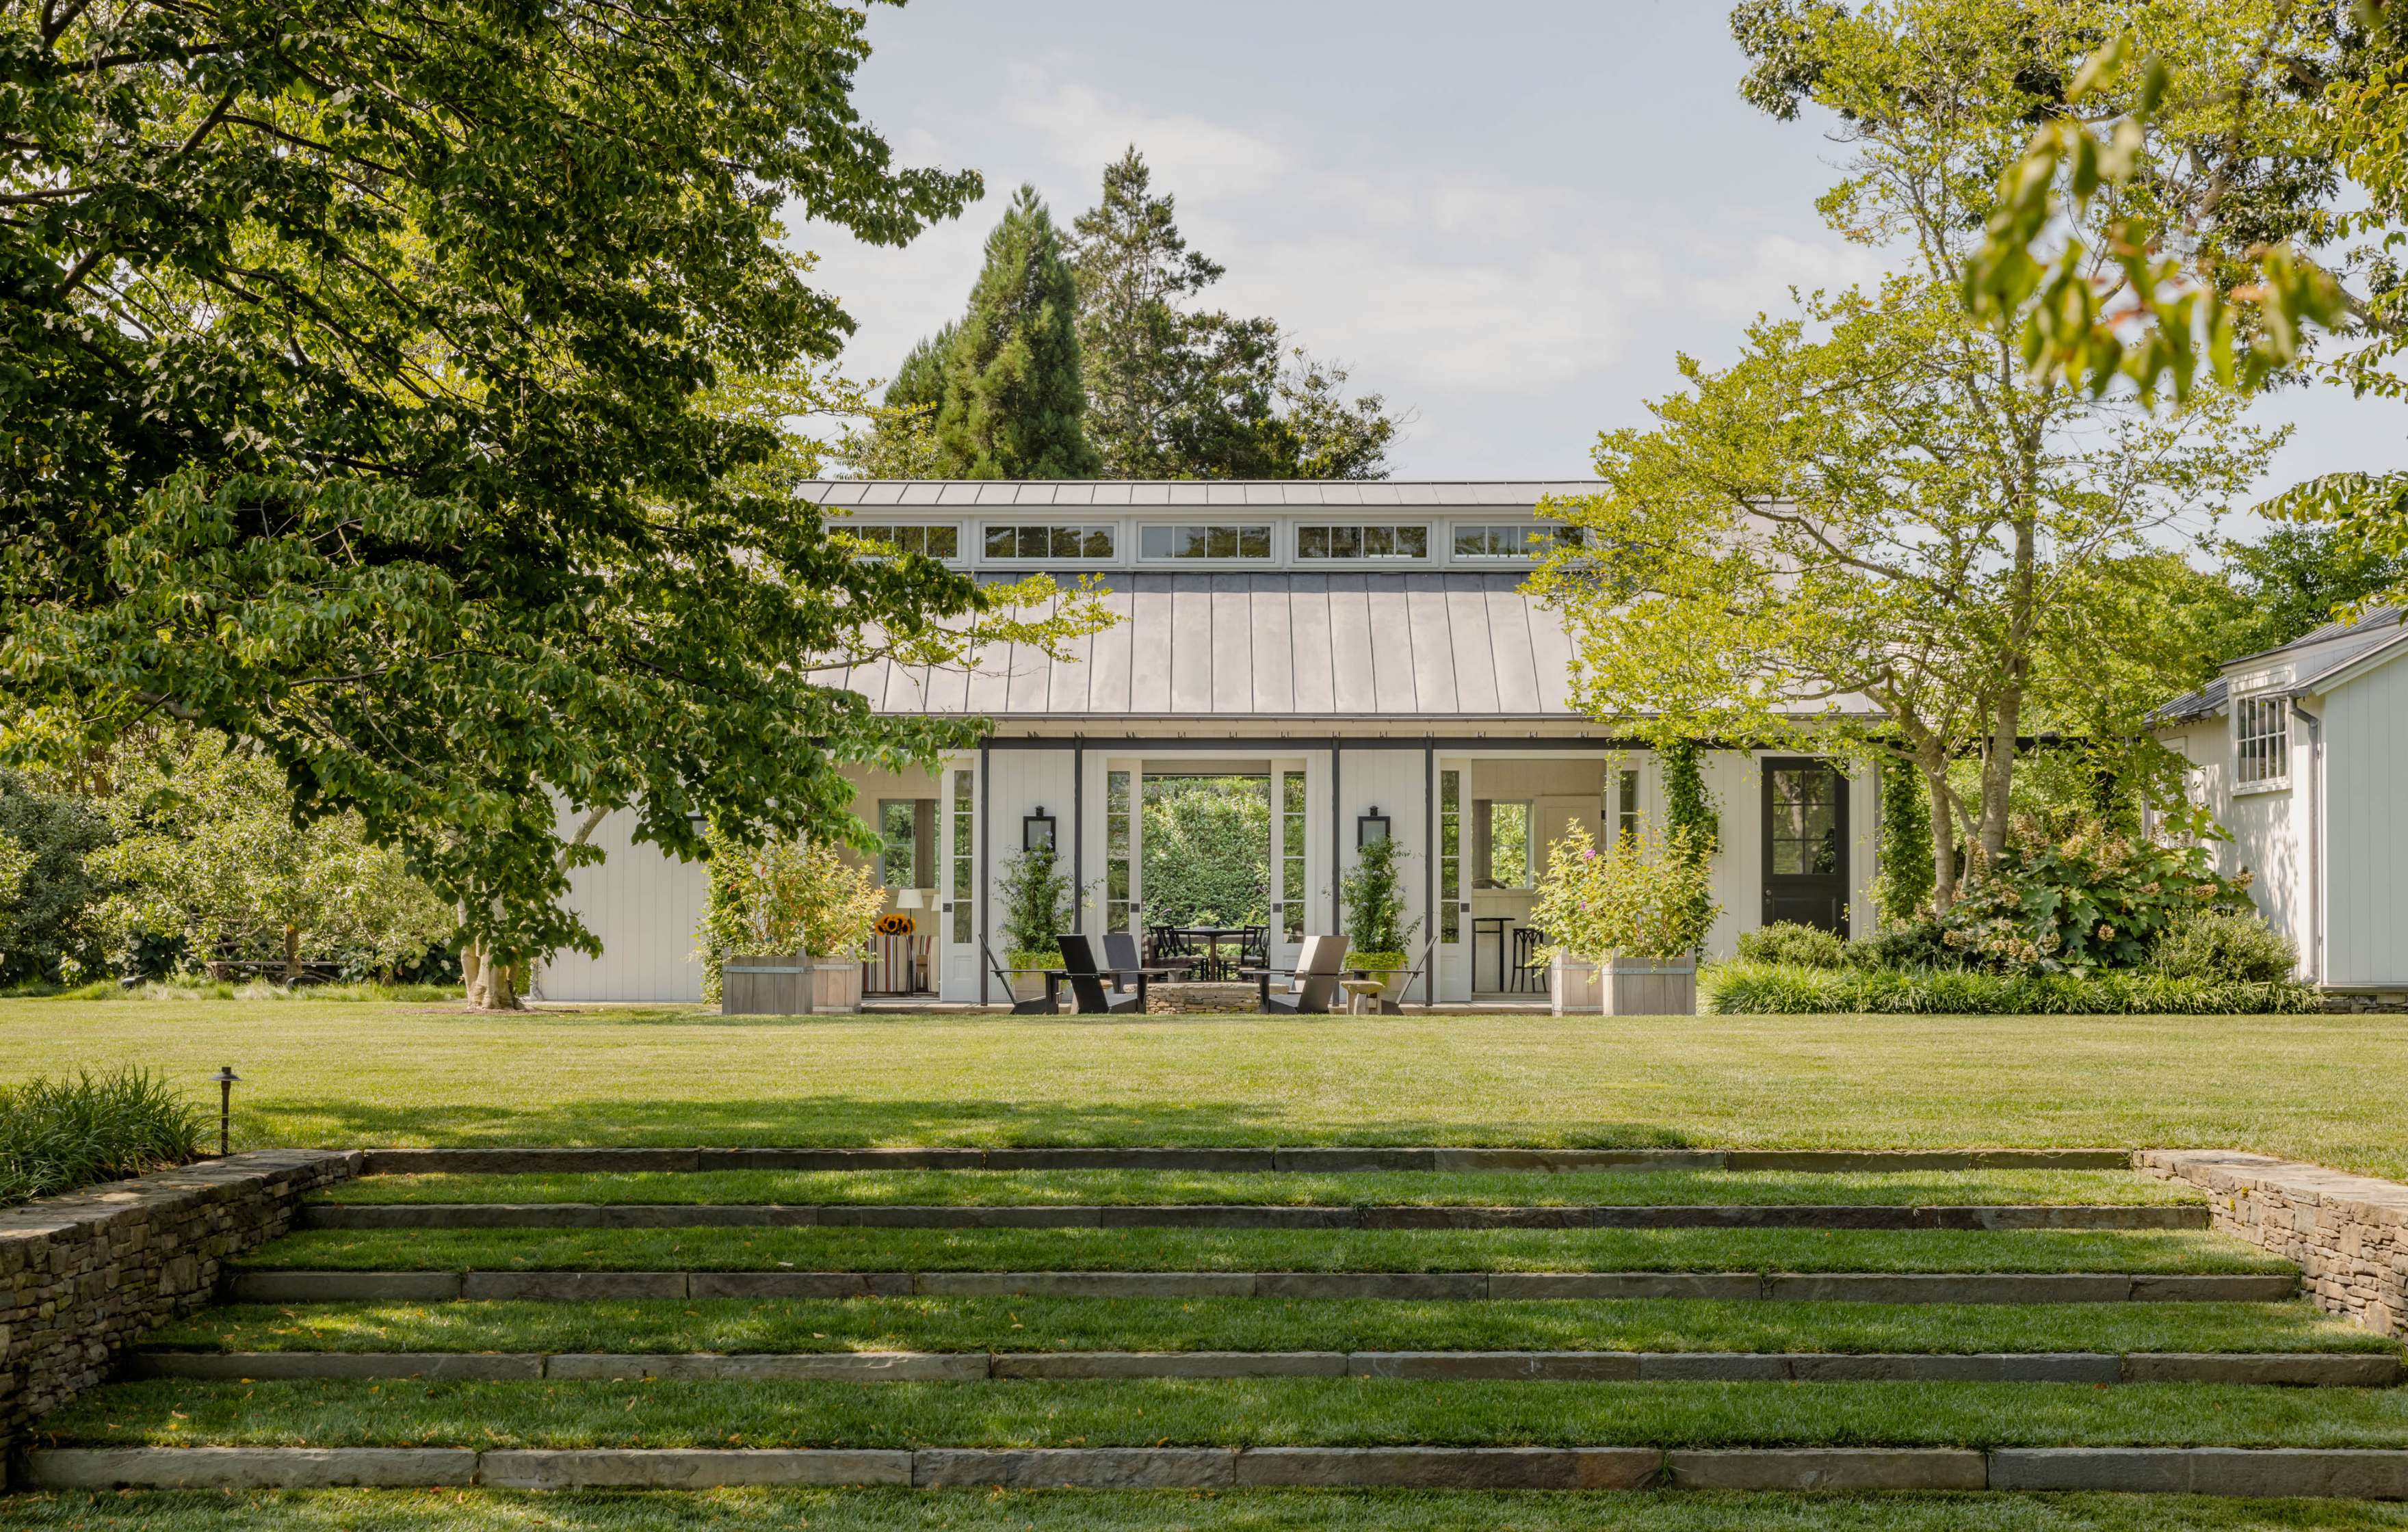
point(1423, 646)
point(1164, 493)
point(2316, 657)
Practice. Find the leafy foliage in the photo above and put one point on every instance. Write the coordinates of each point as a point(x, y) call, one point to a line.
point(1035, 891)
point(1797, 946)
point(58, 1135)
point(2297, 579)
point(1642, 897)
point(1378, 936)
point(1901, 887)
point(785, 898)
point(1206, 846)
point(206, 856)
point(44, 924)
point(1751, 989)
point(2225, 944)
point(2077, 896)
point(1012, 401)
point(371, 403)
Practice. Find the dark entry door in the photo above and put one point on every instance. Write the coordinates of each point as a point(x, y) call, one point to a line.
point(1805, 844)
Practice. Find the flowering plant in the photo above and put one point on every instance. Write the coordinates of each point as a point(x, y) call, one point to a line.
point(2071, 893)
point(784, 898)
point(1643, 896)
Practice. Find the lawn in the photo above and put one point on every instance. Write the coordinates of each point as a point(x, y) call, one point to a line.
point(841, 1249)
point(1174, 1511)
point(2332, 1089)
point(1225, 1411)
point(730, 1325)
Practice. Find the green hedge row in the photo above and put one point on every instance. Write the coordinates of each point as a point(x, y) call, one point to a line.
point(1772, 989)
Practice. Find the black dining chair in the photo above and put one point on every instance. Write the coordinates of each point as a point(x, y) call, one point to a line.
point(1529, 966)
point(1086, 976)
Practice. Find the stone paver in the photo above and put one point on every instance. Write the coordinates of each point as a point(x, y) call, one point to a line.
point(444, 1367)
point(572, 1286)
point(343, 1286)
point(1076, 1468)
point(1849, 1469)
point(690, 1467)
point(1584, 1367)
point(1170, 1365)
point(1087, 1284)
point(2273, 1472)
point(798, 1284)
point(1950, 1287)
point(249, 1468)
point(844, 1367)
point(1725, 1286)
point(1444, 1467)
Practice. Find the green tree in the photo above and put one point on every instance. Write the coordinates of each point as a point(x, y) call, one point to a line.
point(1877, 505)
point(1176, 393)
point(1377, 932)
point(2295, 578)
point(366, 404)
point(206, 855)
point(1003, 382)
point(785, 898)
point(45, 923)
point(1902, 886)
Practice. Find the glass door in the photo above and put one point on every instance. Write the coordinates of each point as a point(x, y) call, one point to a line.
point(1291, 902)
point(1454, 955)
point(957, 908)
point(1805, 844)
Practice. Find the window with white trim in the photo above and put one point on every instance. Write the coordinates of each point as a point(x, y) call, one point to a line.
point(1219, 541)
point(1368, 540)
point(2261, 731)
point(1021, 540)
point(936, 542)
point(1512, 539)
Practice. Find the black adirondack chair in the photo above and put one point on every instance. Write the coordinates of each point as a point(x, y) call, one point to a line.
point(1087, 975)
point(1048, 1004)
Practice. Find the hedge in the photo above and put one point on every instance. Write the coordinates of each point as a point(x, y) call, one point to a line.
point(1771, 988)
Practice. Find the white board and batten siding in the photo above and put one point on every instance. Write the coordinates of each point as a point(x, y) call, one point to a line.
point(644, 905)
point(2365, 839)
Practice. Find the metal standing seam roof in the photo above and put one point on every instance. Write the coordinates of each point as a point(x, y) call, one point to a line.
point(1434, 645)
point(1159, 493)
point(2319, 654)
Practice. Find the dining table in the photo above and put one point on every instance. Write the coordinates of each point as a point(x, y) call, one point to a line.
point(1213, 936)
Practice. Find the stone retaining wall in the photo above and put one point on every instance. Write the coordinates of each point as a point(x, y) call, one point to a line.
point(85, 1276)
point(2347, 1234)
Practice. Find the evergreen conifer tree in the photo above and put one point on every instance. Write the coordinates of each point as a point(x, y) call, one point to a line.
point(1012, 403)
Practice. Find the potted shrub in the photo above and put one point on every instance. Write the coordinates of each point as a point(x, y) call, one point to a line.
point(1624, 924)
point(1377, 932)
point(792, 918)
point(1035, 896)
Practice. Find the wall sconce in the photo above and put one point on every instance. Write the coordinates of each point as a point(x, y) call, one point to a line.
point(1036, 830)
point(1370, 827)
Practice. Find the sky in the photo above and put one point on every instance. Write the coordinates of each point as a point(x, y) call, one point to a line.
point(1508, 219)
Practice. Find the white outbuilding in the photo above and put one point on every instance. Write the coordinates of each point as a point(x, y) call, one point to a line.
point(2301, 753)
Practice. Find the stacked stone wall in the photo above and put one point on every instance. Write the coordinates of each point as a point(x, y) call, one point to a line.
point(2347, 1234)
point(84, 1277)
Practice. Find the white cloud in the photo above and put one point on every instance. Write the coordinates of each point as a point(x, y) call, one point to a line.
point(1190, 156)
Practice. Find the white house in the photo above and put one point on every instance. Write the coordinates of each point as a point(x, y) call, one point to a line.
point(1364, 650)
point(2302, 752)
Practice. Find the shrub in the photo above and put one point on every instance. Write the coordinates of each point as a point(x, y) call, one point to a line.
point(57, 1135)
point(1762, 989)
point(1644, 896)
point(784, 898)
point(2073, 895)
point(2229, 944)
point(1789, 943)
point(45, 919)
point(1034, 893)
point(1918, 944)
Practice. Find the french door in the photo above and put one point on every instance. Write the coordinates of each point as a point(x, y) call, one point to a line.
point(1805, 843)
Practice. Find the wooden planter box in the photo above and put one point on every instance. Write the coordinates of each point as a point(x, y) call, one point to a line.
point(1625, 986)
point(786, 985)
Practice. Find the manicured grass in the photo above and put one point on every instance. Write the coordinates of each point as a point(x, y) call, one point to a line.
point(1176, 1511)
point(1907, 1188)
point(1274, 1412)
point(2333, 1089)
point(1028, 1324)
point(838, 1249)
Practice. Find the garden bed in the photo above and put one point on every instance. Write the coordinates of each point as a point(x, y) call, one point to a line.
point(1780, 989)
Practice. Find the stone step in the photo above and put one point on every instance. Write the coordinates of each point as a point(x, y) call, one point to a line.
point(652, 1215)
point(2326, 1473)
point(2310, 1369)
point(532, 1161)
point(1823, 1287)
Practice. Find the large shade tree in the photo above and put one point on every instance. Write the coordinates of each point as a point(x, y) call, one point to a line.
point(1877, 509)
point(366, 386)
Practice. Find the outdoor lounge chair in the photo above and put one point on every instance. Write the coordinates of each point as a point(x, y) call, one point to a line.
point(1087, 975)
point(1313, 983)
point(1048, 1004)
point(1121, 960)
point(1391, 1005)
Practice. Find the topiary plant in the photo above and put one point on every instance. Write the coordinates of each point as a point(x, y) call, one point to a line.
point(1799, 946)
point(1377, 931)
point(1035, 896)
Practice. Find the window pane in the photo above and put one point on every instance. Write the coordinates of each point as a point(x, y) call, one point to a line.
point(1158, 542)
point(1254, 542)
point(965, 840)
point(1450, 859)
point(1313, 542)
point(1413, 542)
point(999, 543)
point(1379, 542)
point(1345, 542)
point(1220, 542)
point(899, 839)
point(1471, 542)
point(1099, 542)
point(1509, 844)
point(944, 542)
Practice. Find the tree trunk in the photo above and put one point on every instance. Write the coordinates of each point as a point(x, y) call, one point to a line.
point(1934, 771)
point(292, 954)
point(495, 983)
